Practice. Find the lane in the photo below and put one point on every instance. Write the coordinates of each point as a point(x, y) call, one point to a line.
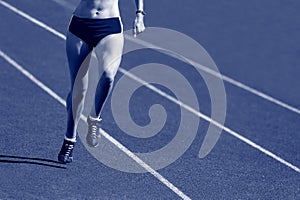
point(27, 130)
point(253, 42)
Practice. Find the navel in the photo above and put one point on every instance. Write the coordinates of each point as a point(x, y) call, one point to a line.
point(98, 11)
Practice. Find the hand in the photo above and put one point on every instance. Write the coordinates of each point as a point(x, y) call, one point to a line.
point(138, 26)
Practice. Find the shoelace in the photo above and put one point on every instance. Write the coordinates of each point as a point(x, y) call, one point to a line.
point(93, 125)
point(94, 128)
point(69, 148)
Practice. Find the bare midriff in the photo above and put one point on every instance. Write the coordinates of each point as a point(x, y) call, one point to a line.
point(97, 9)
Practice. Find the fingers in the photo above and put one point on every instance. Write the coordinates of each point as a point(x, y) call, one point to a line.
point(134, 31)
point(141, 29)
point(138, 28)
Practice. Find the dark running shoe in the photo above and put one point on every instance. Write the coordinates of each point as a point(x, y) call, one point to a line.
point(66, 152)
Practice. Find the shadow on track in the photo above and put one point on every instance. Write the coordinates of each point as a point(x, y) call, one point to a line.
point(32, 161)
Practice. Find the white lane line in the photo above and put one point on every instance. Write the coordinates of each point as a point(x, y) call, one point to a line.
point(147, 167)
point(231, 132)
point(32, 78)
point(170, 98)
point(35, 21)
point(201, 67)
point(206, 118)
point(213, 73)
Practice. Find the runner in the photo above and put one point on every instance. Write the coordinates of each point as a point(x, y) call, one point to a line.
point(95, 24)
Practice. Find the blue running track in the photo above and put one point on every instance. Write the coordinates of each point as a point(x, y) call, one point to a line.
point(255, 43)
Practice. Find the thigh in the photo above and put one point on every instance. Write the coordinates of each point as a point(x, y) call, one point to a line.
point(78, 55)
point(109, 53)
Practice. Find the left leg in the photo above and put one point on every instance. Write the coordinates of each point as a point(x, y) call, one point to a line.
point(109, 53)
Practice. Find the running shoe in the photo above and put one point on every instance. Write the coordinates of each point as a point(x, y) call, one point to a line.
point(93, 135)
point(66, 153)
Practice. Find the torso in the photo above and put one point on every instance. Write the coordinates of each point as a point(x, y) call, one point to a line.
point(97, 9)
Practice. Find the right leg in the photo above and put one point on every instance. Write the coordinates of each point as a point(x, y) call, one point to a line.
point(78, 54)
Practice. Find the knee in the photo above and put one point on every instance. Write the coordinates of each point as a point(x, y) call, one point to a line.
point(108, 77)
point(77, 94)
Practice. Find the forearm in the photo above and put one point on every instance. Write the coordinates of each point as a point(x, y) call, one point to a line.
point(139, 26)
point(139, 5)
